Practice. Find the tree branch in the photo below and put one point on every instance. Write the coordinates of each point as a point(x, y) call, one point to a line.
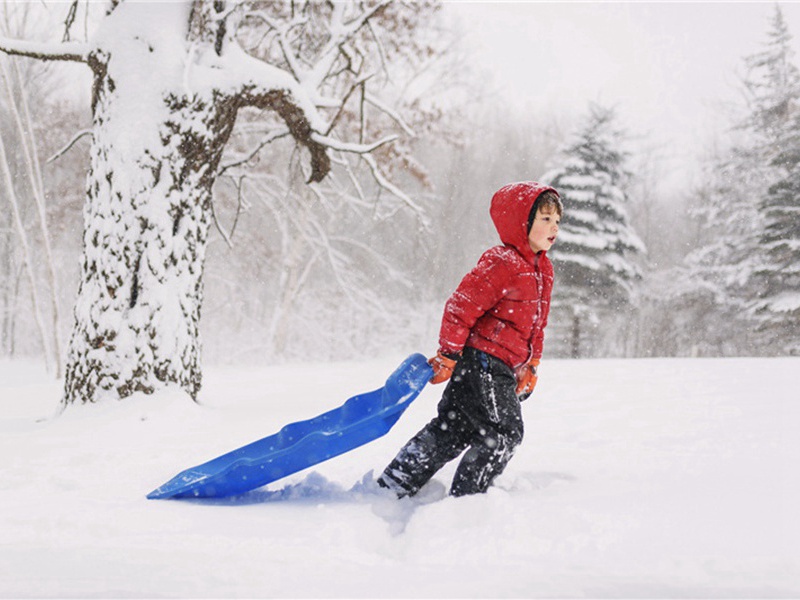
point(393, 189)
point(352, 148)
point(239, 205)
point(358, 83)
point(296, 120)
point(273, 135)
point(73, 9)
point(285, 46)
point(70, 51)
point(391, 113)
point(70, 144)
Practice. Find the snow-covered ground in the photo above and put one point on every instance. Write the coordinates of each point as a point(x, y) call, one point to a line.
point(637, 478)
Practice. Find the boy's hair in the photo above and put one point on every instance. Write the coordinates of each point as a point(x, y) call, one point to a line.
point(548, 201)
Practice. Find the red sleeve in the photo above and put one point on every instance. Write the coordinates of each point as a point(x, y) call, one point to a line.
point(479, 290)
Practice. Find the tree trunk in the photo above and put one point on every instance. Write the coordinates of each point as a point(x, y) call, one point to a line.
point(137, 313)
point(576, 336)
point(8, 305)
point(164, 102)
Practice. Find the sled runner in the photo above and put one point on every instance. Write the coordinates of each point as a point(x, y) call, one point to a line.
point(361, 419)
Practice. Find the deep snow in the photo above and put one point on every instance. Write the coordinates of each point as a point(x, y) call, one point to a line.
point(637, 478)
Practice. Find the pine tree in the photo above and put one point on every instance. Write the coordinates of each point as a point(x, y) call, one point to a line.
point(740, 269)
point(772, 85)
point(593, 255)
point(777, 280)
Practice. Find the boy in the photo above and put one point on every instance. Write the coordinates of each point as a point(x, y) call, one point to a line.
point(490, 342)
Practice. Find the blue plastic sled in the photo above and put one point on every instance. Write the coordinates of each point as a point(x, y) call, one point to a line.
point(361, 419)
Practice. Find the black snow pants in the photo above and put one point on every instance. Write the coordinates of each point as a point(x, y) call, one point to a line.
point(479, 412)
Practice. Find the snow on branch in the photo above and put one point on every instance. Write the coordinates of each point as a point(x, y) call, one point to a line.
point(296, 119)
point(70, 144)
point(341, 31)
point(393, 114)
point(70, 51)
point(282, 31)
point(341, 34)
point(388, 185)
point(351, 147)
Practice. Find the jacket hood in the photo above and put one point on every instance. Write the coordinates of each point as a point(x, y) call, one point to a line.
point(510, 208)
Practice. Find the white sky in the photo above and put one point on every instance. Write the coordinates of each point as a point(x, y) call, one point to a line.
point(667, 66)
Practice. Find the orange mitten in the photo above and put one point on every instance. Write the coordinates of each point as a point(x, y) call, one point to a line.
point(527, 378)
point(442, 367)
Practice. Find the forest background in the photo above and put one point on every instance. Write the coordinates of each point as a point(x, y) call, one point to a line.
point(685, 249)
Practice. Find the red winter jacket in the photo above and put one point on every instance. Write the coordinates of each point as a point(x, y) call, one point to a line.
point(501, 306)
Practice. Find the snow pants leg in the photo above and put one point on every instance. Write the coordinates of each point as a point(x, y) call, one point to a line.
point(479, 412)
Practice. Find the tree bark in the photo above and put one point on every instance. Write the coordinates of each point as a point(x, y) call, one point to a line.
point(154, 159)
point(169, 80)
point(576, 336)
point(146, 226)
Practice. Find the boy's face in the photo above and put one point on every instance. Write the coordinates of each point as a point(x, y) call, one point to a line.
point(544, 229)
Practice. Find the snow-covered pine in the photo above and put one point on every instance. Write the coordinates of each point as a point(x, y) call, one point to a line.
point(777, 278)
point(772, 83)
point(169, 79)
point(711, 285)
point(595, 253)
point(741, 281)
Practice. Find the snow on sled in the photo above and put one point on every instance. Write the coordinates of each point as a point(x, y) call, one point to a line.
point(361, 419)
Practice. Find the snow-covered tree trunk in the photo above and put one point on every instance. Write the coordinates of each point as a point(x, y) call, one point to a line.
point(169, 80)
point(147, 216)
point(165, 100)
point(157, 142)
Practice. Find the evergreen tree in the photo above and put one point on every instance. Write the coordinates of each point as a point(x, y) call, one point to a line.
point(772, 85)
point(776, 282)
point(596, 244)
point(739, 268)
point(712, 286)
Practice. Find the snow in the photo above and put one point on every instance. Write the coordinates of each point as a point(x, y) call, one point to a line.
point(784, 302)
point(637, 478)
point(65, 50)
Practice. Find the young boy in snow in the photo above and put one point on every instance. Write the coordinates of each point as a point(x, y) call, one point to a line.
point(490, 343)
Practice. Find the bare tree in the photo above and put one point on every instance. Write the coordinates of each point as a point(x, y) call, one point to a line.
point(27, 241)
point(333, 244)
point(169, 82)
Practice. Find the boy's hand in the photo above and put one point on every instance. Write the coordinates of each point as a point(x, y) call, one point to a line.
point(526, 379)
point(443, 366)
